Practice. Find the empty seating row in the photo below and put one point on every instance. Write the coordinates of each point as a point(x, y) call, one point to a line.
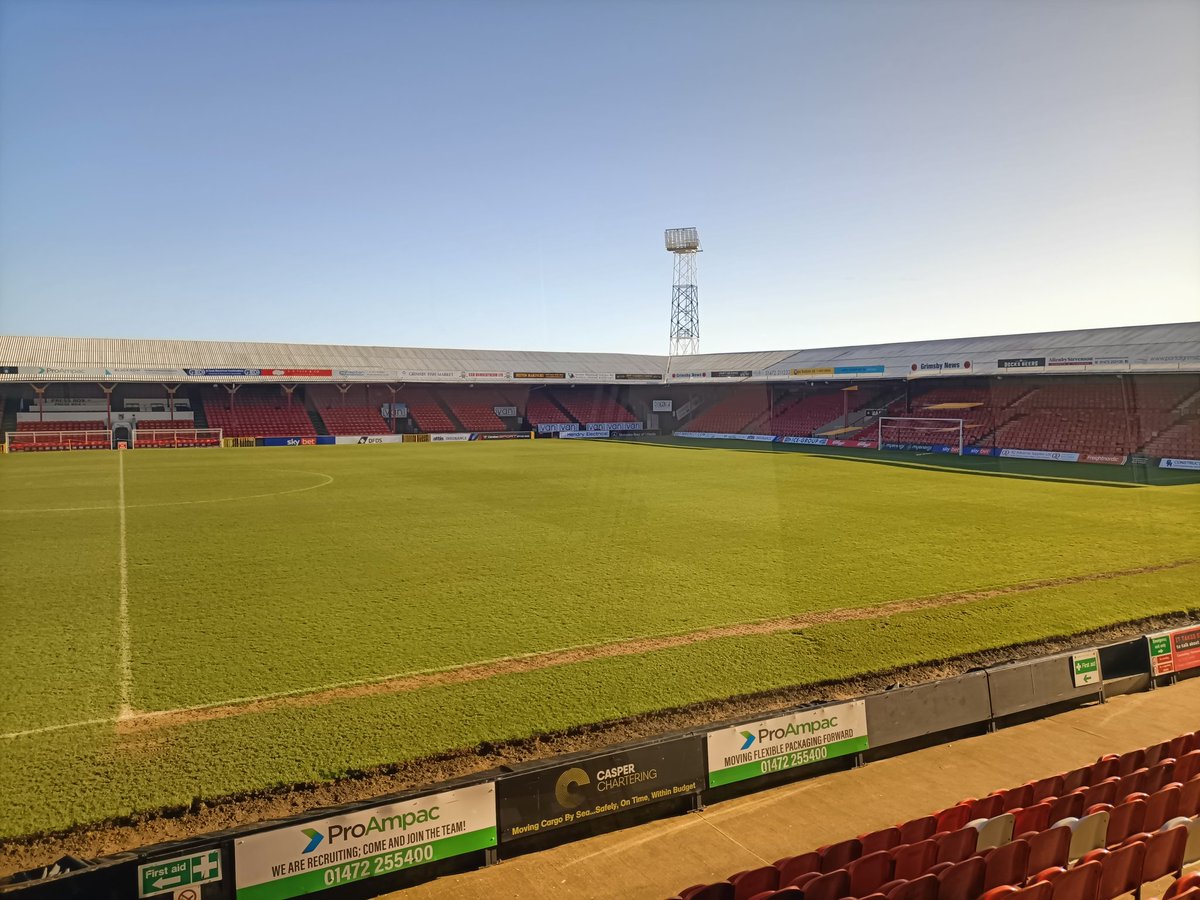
point(1031, 833)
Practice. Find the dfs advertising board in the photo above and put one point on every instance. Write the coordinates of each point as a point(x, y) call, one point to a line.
point(313, 856)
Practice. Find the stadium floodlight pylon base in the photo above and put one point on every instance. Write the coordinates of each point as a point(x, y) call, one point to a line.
point(922, 430)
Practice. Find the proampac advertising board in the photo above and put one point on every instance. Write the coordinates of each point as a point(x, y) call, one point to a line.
point(753, 749)
point(313, 856)
point(579, 790)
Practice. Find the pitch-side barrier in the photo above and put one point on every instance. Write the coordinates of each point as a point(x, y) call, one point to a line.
point(371, 847)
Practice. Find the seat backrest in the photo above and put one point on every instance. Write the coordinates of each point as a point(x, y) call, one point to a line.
point(830, 886)
point(1121, 870)
point(1189, 799)
point(1104, 792)
point(953, 818)
point(1017, 797)
point(1125, 820)
point(839, 855)
point(1068, 806)
point(914, 860)
point(923, 888)
point(995, 832)
point(1051, 786)
point(791, 867)
point(918, 829)
point(1088, 834)
point(1048, 849)
point(1187, 766)
point(1161, 806)
point(755, 881)
point(721, 890)
point(1031, 818)
point(868, 873)
point(1191, 850)
point(884, 839)
point(957, 845)
point(1079, 883)
point(1039, 890)
point(962, 881)
point(1188, 882)
point(987, 807)
point(1131, 762)
point(1007, 864)
point(1160, 776)
point(1164, 853)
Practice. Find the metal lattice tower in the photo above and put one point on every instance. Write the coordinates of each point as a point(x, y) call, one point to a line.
point(685, 298)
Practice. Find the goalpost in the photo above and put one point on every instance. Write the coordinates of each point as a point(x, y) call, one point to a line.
point(15, 441)
point(907, 431)
point(178, 437)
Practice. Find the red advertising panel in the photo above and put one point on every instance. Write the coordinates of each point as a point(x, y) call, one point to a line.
point(298, 373)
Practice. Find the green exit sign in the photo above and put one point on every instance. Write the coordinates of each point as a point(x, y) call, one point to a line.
point(171, 874)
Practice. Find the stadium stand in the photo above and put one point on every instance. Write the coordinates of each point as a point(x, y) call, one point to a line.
point(585, 405)
point(53, 425)
point(258, 411)
point(1092, 833)
point(542, 410)
point(806, 414)
point(354, 420)
point(427, 412)
point(738, 411)
point(475, 408)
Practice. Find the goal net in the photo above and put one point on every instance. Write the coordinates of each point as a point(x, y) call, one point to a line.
point(15, 441)
point(177, 437)
point(907, 433)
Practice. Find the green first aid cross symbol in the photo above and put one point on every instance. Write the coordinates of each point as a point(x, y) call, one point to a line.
point(169, 875)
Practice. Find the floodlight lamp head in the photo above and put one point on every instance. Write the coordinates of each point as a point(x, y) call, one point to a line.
point(683, 240)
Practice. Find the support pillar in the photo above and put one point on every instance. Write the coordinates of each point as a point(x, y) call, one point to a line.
point(232, 390)
point(171, 391)
point(41, 395)
point(108, 392)
point(288, 389)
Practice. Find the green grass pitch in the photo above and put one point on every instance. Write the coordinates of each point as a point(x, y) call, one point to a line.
point(282, 573)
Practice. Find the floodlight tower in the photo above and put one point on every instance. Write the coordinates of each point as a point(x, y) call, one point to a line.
point(685, 300)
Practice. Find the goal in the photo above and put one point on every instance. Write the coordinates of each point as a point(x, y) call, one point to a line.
point(15, 441)
point(909, 433)
point(178, 437)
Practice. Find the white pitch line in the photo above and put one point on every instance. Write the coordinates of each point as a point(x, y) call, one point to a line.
point(126, 666)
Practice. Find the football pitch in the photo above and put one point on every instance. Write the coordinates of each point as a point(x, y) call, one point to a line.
point(204, 623)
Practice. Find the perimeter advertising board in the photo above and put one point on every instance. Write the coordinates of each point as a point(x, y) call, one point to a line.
point(753, 749)
point(1174, 651)
point(313, 856)
point(580, 790)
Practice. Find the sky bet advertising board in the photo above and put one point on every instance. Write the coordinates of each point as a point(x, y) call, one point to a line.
point(313, 856)
point(580, 790)
point(751, 749)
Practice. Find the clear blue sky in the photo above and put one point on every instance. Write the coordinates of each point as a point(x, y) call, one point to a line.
point(498, 174)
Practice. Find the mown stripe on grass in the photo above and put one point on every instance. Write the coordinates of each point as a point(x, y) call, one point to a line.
point(531, 662)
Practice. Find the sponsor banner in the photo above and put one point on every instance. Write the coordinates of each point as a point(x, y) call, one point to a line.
point(634, 376)
point(222, 373)
point(550, 427)
point(52, 403)
point(717, 435)
point(588, 376)
point(815, 441)
point(1169, 463)
point(614, 426)
point(384, 374)
point(682, 375)
point(753, 749)
point(584, 434)
point(297, 373)
point(503, 436)
point(427, 375)
point(399, 409)
point(415, 438)
point(239, 442)
point(310, 857)
point(1022, 362)
point(813, 372)
point(1054, 455)
point(309, 441)
point(941, 366)
point(450, 436)
point(1107, 459)
point(979, 451)
point(369, 439)
point(1178, 358)
point(503, 411)
point(662, 405)
point(1174, 651)
point(8, 370)
point(859, 370)
point(581, 790)
point(731, 373)
point(542, 376)
point(921, 448)
point(472, 376)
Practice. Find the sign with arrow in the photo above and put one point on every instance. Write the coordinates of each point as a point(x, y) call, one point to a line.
point(169, 875)
point(1085, 667)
